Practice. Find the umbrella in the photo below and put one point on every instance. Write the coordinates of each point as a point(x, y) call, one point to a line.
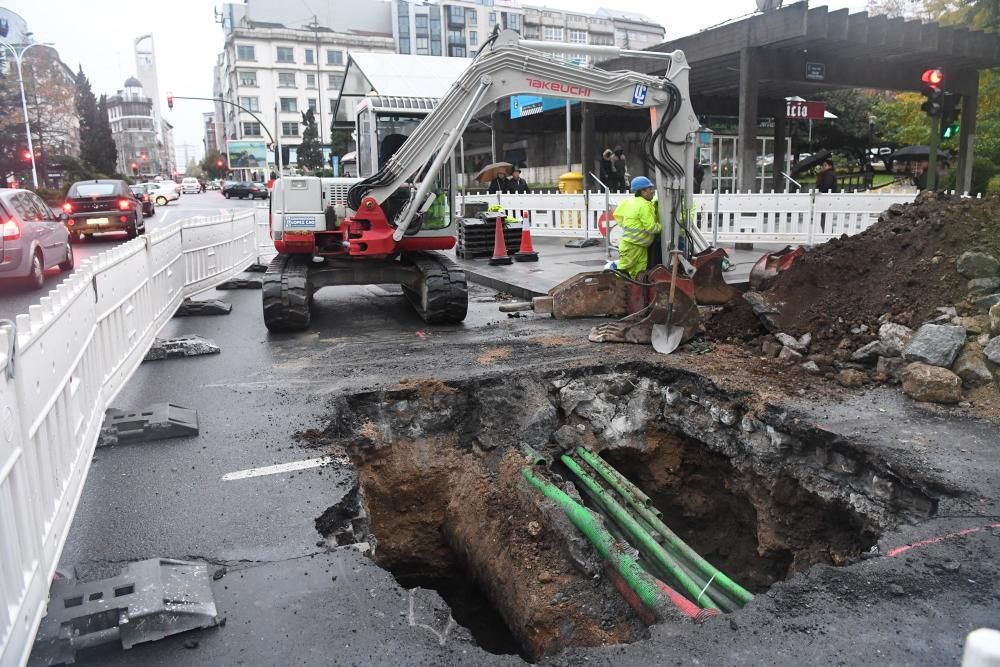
point(813, 160)
point(910, 153)
point(491, 171)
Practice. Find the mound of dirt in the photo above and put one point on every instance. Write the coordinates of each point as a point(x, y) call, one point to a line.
point(902, 267)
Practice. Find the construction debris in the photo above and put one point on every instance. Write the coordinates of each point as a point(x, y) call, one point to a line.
point(182, 346)
point(243, 281)
point(192, 308)
point(157, 422)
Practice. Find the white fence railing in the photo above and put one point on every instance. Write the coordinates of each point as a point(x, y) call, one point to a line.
point(262, 233)
point(803, 218)
point(59, 372)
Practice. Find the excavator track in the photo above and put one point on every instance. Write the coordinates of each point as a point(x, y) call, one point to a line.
point(444, 294)
point(286, 293)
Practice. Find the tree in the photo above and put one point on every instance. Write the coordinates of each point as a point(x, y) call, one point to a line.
point(310, 154)
point(97, 145)
point(214, 164)
point(194, 169)
point(12, 139)
point(107, 152)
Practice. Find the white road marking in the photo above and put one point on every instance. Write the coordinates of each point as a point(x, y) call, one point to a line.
point(281, 468)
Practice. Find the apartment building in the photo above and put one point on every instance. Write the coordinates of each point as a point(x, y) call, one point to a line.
point(455, 28)
point(130, 113)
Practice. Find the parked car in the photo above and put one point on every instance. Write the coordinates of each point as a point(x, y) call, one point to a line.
point(106, 205)
point(33, 238)
point(190, 186)
point(164, 192)
point(141, 191)
point(244, 189)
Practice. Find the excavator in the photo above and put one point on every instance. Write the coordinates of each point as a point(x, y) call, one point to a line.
point(391, 224)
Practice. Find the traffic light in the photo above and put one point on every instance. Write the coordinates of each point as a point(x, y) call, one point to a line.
point(135, 169)
point(933, 80)
point(170, 101)
point(950, 111)
point(219, 163)
point(26, 154)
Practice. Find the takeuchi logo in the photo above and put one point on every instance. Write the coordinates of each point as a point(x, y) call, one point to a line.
point(564, 88)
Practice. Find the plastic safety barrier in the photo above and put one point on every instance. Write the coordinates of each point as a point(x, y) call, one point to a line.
point(61, 368)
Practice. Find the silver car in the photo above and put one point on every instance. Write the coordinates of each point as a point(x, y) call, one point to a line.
point(33, 238)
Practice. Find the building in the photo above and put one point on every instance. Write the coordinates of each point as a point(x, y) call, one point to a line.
point(168, 154)
point(632, 30)
point(455, 28)
point(145, 71)
point(211, 140)
point(131, 115)
point(275, 66)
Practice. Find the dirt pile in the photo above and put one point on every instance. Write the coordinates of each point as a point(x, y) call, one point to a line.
point(900, 269)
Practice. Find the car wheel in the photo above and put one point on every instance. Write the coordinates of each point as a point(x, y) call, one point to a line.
point(161, 201)
point(37, 276)
point(69, 262)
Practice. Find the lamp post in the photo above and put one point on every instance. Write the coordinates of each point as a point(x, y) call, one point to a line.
point(18, 57)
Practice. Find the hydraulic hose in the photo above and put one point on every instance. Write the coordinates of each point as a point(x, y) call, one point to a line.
point(640, 502)
point(645, 585)
point(643, 538)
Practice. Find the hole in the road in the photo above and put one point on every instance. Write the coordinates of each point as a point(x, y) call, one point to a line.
point(441, 499)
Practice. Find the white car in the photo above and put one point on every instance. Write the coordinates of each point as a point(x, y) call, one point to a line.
point(190, 186)
point(164, 192)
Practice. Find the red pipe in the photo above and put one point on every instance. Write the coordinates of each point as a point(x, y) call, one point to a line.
point(686, 607)
point(644, 613)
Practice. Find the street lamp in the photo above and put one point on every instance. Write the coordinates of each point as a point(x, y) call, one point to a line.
point(18, 57)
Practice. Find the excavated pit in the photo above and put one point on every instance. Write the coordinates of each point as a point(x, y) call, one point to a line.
point(441, 502)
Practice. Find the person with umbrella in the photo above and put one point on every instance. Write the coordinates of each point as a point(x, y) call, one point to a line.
point(516, 184)
point(640, 224)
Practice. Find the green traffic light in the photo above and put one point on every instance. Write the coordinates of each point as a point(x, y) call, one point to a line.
point(951, 131)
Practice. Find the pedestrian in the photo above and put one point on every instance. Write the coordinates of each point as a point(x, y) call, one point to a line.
point(607, 170)
point(499, 183)
point(621, 168)
point(516, 184)
point(826, 179)
point(699, 176)
point(638, 219)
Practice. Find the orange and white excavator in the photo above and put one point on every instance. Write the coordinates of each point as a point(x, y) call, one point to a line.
point(387, 227)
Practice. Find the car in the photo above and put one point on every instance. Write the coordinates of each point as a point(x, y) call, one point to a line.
point(141, 191)
point(164, 192)
point(33, 238)
point(190, 186)
point(244, 189)
point(102, 205)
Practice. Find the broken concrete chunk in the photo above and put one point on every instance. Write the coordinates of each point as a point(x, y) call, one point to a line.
point(995, 320)
point(851, 378)
point(984, 303)
point(894, 338)
point(790, 341)
point(890, 368)
point(971, 367)
point(184, 346)
point(933, 384)
point(190, 308)
point(869, 354)
point(984, 285)
point(992, 350)
point(157, 422)
point(974, 264)
point(763, 310)
point(788, 354)
point(936, 344)
point(771, 348)
point(810, 367)
point(243, 281)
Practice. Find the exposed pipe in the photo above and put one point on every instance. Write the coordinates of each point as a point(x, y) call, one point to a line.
point(641, 536)
point(643, 583)
point(640, 502)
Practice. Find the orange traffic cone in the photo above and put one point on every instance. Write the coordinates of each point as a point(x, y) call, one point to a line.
point(527, 251)
point(500, 255)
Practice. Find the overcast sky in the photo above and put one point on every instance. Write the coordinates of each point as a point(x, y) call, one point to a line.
point(98, 35)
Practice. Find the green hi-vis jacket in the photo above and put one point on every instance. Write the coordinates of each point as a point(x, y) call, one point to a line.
point(638, 219)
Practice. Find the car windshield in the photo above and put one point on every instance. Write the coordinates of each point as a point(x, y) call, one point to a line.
point(137, 189)
point(92, 189)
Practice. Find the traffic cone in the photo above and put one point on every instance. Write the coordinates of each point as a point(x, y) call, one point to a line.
point(500, 255)
point(527, 251)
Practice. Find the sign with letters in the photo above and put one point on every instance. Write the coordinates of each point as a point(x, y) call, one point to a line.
point(795, 110)
point(815, 72)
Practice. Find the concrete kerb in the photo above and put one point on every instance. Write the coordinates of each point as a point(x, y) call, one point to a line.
point(503, 285)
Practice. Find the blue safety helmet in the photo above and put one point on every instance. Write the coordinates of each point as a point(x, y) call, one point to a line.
point(640, 183)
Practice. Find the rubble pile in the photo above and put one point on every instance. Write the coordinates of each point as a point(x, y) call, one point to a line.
point(915, 300)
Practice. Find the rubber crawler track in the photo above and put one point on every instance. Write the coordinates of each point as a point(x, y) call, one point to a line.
point(446, 288)
point(286, 294)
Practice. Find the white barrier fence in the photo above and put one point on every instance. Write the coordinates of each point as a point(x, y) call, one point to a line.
point(262, 233)
point(803, 218)
point(59, 372)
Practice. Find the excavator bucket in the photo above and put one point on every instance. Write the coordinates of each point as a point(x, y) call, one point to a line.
point(710, 288)
point(771, 265)
point(638, 327)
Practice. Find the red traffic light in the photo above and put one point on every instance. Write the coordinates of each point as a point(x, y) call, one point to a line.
point(170, 101)
point(26, 155)
point(135, 166)
point(933, 78)
point(218, 163)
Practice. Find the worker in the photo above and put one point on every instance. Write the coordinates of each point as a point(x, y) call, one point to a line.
point(637, 217)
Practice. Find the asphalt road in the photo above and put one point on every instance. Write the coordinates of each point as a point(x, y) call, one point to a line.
point(16, 297)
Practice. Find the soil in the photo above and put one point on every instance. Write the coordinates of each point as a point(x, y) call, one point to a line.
point(902, 267)
point(735, 322)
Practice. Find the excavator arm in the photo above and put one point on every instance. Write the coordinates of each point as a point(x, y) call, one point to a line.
point(508, 65)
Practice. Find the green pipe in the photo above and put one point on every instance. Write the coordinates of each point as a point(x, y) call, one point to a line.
point(625, 520)
point(640, 581)
point(536, 458)
point(634, 497)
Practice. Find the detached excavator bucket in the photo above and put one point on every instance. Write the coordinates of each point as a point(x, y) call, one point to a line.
point(638, 327)
point(771, 265)
point(710, 288)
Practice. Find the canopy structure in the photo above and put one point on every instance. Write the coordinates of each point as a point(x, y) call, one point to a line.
point(750, 66)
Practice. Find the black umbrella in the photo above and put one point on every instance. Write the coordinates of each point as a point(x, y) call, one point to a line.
point(911, 153)
point(813, 160)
